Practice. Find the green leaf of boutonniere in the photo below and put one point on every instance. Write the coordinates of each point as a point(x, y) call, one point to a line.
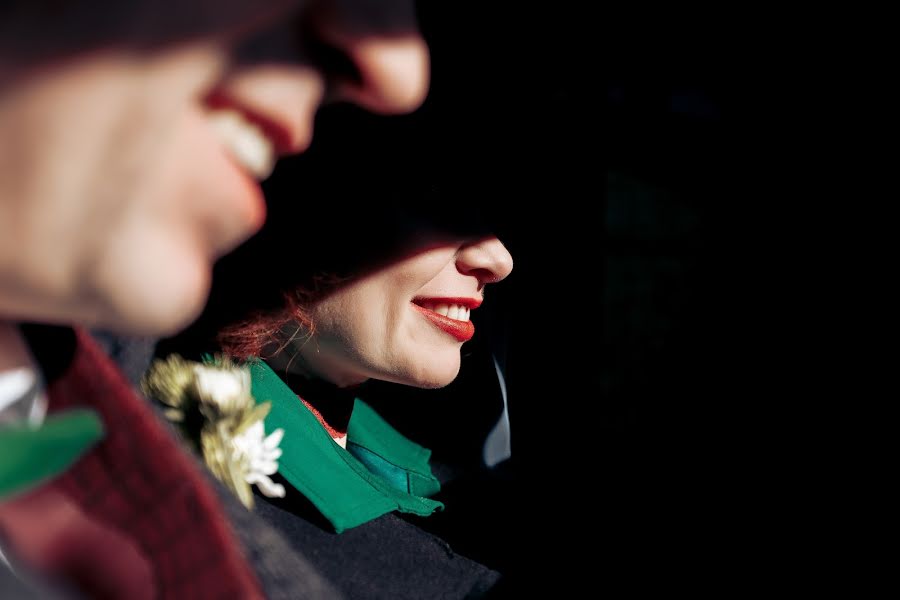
point(31, 455)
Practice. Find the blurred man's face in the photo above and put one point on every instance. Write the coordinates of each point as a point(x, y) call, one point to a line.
point(133, 135)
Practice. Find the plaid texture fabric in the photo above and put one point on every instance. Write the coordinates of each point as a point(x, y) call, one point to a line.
point(140, 483)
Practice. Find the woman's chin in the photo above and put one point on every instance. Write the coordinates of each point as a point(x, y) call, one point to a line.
point(435, 375)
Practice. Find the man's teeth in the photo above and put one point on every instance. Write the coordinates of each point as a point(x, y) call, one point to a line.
point(453, 311)
point(246, 143)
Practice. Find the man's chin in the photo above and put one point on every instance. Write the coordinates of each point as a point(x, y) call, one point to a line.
point(158, 310)
point(155, 289)
point(157, 320)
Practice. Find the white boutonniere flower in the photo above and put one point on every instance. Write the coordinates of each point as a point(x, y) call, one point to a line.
point(212, 405)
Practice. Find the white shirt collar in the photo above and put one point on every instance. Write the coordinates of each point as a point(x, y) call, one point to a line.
point(22, 398)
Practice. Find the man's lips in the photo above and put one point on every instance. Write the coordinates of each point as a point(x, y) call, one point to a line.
point(450, 315)
point(244, 140)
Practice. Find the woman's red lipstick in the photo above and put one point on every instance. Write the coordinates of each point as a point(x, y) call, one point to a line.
point(461, 330)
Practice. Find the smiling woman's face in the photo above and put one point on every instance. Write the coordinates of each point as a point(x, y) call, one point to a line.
point(404, 323)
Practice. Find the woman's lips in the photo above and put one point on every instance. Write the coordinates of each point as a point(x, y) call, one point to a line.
point(460, 328)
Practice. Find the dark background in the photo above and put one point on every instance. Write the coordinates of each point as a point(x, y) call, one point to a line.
point(621, 153)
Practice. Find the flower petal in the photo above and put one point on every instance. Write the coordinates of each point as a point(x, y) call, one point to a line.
point(268, 467)
point(271, 442)
point(268, 487)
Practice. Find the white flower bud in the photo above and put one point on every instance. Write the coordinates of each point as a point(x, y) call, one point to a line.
point(229, 389)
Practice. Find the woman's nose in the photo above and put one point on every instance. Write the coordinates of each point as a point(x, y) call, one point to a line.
point(487, 259)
